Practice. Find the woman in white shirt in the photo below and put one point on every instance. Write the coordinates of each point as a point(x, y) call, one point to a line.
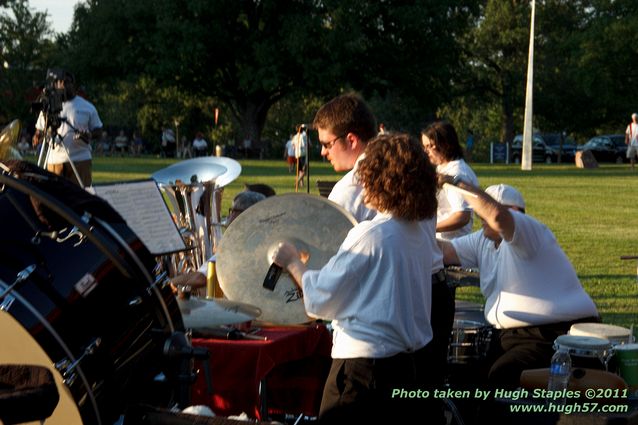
point(454, 214)
point(377, 288)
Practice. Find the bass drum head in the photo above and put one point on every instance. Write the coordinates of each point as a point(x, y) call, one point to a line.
point(18, 347)
point(87, 310)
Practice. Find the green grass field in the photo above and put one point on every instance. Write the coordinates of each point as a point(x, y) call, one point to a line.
point(591, 212)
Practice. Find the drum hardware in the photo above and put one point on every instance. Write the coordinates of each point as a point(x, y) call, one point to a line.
point(135, 301)
point(20, 277)
point(312, 223)
point(150, 281)
point(585, 348)
point(61, 210)
point(462, 276)
point(67, 367)
point(179, 348)
point(469, 341)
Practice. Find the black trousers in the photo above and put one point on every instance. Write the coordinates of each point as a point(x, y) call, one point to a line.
point(363, 390)
point(442, 320)
point(529, 347)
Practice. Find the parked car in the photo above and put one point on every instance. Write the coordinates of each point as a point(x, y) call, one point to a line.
point(607, 148)
point(545, 148)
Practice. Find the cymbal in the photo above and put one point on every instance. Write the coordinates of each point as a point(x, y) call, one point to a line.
point(312, 223)
point(9, 140)
point(204, 313)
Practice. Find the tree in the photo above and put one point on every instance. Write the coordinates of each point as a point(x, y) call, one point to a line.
point(26, 49)
point(253, 53)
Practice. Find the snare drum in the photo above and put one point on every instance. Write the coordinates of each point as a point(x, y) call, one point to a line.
point(586, 351)
point(469, 342)
point(87, 311)
point(615, 334)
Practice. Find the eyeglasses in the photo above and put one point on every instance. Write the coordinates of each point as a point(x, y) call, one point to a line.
point(235, 211)
point(330, 144)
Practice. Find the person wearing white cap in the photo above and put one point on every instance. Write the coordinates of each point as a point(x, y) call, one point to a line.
point(532, 292)
point(631, 139)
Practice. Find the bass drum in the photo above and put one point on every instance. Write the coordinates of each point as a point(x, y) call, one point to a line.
point(88, 310)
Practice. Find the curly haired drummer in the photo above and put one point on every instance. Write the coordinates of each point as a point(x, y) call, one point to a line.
point(345, 124)
point(376, 289)
point(532, 292)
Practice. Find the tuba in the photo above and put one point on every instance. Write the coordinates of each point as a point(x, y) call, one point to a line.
point(193, 190)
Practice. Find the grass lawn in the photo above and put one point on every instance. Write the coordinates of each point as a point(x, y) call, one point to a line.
point(591, 212)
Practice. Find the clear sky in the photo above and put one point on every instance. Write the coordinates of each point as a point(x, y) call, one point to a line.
point(60, 12)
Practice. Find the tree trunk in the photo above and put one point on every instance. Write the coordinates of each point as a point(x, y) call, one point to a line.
point(252, 116)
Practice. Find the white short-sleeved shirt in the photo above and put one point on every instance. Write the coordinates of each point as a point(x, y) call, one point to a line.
point(632, 131)
point(290, 148)
point(81, 115)
point(451, 201)
point(528, 281)
point(376, 289)
point(348, 193)
point(300, 142)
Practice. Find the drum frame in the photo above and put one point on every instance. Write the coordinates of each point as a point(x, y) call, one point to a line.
point(127, 263)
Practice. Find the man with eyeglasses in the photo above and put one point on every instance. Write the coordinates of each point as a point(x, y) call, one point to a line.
point(345, 124)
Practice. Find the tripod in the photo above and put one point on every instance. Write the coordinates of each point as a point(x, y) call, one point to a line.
point(51, 137)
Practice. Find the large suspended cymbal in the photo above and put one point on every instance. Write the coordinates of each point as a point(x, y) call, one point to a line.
point(312, 223)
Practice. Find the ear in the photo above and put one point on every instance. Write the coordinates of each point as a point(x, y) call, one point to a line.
point(354, 141)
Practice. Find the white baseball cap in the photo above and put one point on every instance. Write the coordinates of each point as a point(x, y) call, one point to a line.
point(506, 195)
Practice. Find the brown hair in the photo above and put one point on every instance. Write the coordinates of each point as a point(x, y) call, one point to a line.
point(445, 139)
point(398, 178)
point(347, 114)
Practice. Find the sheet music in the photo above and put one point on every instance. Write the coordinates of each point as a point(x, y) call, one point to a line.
point(142, 207)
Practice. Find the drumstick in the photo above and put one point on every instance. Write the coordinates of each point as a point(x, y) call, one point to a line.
point(461, 191)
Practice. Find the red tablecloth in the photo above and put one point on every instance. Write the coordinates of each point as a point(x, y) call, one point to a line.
point(294, 361)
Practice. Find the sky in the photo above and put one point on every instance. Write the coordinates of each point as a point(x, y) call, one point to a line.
point(60, 12)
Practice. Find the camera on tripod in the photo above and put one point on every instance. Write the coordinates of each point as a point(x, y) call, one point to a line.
point(50, 100)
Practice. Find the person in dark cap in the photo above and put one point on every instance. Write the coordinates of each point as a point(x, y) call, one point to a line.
point(80, 123)
point(532, 293)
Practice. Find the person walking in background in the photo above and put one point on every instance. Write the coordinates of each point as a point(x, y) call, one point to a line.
point(631, 140)
point(289, 155)
point(300, 143)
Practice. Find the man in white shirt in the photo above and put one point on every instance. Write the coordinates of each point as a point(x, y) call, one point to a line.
point(300, 145)
point(79, 123)
point(532, 292)
point(631, 140)
point(376, 290)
